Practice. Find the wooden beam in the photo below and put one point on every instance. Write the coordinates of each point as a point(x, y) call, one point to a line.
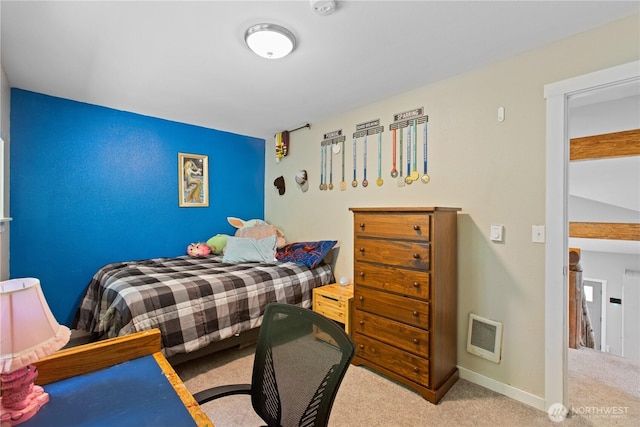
point(617, 144)
point(605, 230)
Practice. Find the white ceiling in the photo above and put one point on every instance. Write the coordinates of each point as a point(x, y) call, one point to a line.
point(187, 61)
point(614, 182)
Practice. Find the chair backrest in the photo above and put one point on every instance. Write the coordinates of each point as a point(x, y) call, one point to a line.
point(301, 358)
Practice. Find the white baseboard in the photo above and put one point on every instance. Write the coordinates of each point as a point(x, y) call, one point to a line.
point(507, 390)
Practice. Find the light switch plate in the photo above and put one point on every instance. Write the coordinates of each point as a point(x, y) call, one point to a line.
point(537, 233)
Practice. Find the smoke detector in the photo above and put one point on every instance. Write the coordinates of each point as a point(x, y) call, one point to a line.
point(323, 7)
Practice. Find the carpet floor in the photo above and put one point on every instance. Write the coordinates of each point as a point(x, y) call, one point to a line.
point(604, 391)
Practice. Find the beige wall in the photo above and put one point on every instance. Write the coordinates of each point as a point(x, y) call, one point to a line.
point(494, 171)
point(5, 96)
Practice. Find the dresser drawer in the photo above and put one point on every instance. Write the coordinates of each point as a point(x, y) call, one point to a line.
point(406, 310)
point(406, 282)
point(400, 335)
point(393, 253)
point(393, 225)
point(401, 362)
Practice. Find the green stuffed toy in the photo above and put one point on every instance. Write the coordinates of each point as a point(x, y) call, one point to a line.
point(217, 243)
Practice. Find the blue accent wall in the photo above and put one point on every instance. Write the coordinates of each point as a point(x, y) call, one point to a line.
point(91, 185)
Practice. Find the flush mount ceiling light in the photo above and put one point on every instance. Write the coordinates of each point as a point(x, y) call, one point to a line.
point(270, 41)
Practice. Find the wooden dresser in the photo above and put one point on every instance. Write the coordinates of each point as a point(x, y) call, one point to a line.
point(405, 295)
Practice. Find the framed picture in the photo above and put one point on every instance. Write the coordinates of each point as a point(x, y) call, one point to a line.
point(193, 180)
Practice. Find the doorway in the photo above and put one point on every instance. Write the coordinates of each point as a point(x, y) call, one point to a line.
point(631, 315)
point(556, 253)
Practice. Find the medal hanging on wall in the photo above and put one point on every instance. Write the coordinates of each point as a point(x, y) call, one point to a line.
point(343, 184)
point(365, 183)
point(408, 179)
point(394, 171)
point(321, 167)
point(414, 171)
point(379, 181)
point(425, 177)
point(331, 167)
point(325, 167)
point(400, 177)
point(354, 183)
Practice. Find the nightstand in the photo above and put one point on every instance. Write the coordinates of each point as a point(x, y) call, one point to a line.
point(334, 301)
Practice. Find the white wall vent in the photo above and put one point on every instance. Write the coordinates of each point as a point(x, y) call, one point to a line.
point(485, 338)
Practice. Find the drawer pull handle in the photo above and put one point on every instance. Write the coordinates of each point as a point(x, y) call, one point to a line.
point(416, 227)
point(416, 284)
point(416, 369)
point(362, 322)
point(415, 313)
point(416, 341)
point(362, 225)
point(416, 256)
point(361, 346)
point(362, 274)
point(361, 250)
point(361, 298)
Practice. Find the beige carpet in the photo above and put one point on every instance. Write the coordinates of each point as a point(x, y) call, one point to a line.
point(604, 389)
point(368, 399)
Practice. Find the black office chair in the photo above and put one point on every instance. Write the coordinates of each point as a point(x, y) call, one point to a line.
point(301, 358)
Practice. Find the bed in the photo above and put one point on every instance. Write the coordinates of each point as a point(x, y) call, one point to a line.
point(195, 302)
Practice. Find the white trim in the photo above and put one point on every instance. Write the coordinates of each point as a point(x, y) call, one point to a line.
point(556, 253)
point(597, 80)
point(556, 257)
point(502, 388)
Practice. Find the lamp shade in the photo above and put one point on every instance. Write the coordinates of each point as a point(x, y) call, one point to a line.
point(270, 41)
point(28, 330)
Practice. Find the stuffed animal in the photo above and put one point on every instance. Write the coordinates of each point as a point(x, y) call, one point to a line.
point(257, 229)
point(240, 223)
point(217, 243)
point(198, 250)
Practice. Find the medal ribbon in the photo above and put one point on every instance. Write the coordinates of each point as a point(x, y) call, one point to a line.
point(342, 150)
point(354, 160)
point(379, 156)
point(364, 181)
point(401, 151)
point(321, 162)
point(331, 167)
point(424, 146)
point(408, 150)
point(415, 145)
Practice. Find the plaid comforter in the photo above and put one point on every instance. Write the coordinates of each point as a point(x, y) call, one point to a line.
point(193, 301)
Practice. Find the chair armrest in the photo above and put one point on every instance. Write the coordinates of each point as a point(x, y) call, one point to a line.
point(221, 391)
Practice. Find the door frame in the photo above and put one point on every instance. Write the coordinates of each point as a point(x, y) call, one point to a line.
point(557, 96)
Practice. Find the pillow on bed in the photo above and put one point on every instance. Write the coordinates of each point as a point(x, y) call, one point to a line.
point(244, 249)
point(306, 253)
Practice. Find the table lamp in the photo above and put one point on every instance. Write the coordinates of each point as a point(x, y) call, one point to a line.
point(28, 332)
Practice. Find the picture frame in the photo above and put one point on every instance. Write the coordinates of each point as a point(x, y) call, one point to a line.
point(193, 180)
